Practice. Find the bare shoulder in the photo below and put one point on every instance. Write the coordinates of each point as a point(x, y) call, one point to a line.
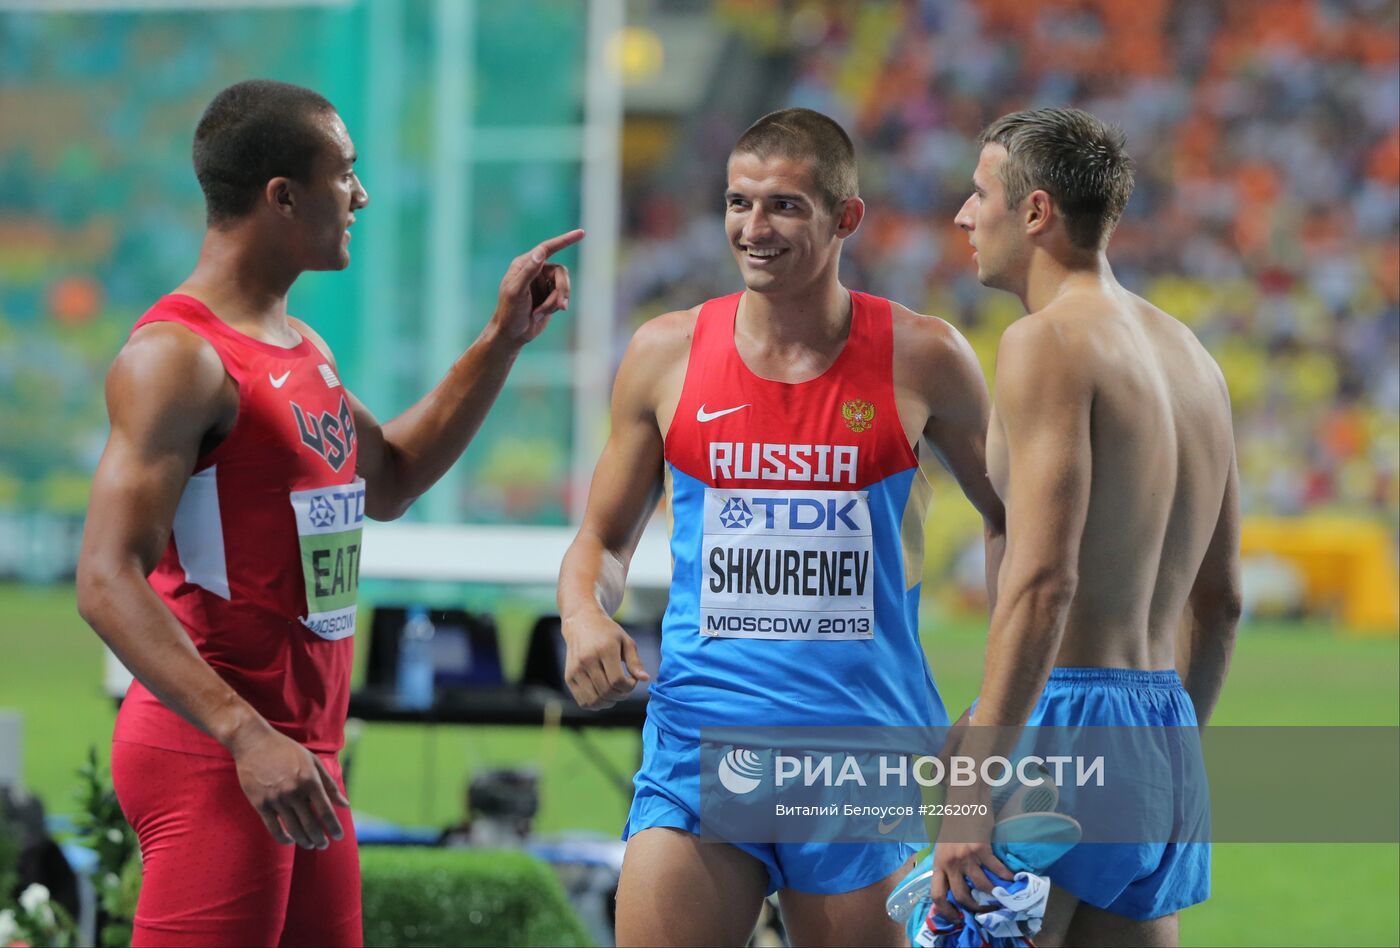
point(1189, 345)
point(168, 356)
point(665, 337)
point(654, 363)
point(932, 357)
point(921, 338)
point(305, 329)
point(1046, 353)
point(166, 372)
point(1061, 331)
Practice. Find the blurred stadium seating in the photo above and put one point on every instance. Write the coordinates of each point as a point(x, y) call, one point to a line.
point(1267, 139)
point(1266, 213)
point(100, 214)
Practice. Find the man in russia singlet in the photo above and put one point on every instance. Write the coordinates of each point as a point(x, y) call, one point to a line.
point(785, 428)
point(237, 477)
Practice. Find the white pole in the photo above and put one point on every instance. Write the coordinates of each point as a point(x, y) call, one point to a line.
point(381, 325)
point(596, 301)
point(449, 239)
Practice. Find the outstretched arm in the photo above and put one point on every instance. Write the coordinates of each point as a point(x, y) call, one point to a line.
point(1043, 405)
point(166, 391)
point(402, 458)
point(602, 666)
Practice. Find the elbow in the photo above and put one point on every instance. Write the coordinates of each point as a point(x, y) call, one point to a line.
point(1048, 593)
point(95, 582)
point(1232, 609)
point(385, 509)
point(1219, 609)
point(385, 514)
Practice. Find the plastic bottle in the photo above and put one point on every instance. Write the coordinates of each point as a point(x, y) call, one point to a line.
point(415, 667)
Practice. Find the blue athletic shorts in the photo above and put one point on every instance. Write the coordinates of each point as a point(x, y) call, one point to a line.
point(1140, 880)
point(667, 793)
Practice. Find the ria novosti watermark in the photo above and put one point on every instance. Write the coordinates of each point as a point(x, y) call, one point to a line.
point(1122, 784)
point(741, 769)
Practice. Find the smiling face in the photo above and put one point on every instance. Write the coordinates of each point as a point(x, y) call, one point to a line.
point(782, 233)
point(993, 229)
point(329, 199)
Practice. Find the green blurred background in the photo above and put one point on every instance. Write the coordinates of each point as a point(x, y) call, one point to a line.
point(1283, 675)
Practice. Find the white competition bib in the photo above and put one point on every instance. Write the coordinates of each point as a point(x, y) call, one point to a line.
point(787, 565)
point(329, 522)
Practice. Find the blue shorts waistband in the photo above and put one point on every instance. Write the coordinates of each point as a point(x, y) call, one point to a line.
point(1165, 678)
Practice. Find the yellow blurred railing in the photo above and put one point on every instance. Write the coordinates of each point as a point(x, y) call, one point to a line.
point(1348, 566)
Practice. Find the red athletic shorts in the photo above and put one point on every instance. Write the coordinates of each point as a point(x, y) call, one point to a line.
point(212, 875)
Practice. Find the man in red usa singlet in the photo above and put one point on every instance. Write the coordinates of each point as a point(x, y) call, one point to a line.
point(221, 552)
point(786, 427)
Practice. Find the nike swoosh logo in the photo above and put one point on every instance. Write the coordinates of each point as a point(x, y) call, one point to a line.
point(278, 382)
point(886, 828)
point(701, 415)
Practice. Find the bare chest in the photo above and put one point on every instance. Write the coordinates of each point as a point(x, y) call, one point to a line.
point(998, 462)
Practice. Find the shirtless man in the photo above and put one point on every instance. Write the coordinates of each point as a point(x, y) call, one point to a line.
point(221, 551)
point(795, 395)
point(1111, 444)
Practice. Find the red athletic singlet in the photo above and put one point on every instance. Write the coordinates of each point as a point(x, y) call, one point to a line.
point(797, 515)
point(262, 565)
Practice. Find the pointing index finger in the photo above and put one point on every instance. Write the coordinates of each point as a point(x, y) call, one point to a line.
point(555, 244)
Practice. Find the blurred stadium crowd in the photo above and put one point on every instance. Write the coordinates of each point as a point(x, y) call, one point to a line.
point(1266, 213)
point(99, 214)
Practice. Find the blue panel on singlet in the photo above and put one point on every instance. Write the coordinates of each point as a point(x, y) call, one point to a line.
point(710, 681)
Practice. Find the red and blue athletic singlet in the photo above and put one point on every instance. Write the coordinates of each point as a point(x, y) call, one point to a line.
point(262, 567)
point(797, 515)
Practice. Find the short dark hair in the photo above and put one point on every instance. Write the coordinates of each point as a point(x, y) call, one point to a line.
point(805, 135)
point(1079, 160)
point(252, 132)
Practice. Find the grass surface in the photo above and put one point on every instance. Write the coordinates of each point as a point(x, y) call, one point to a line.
point(51, 671)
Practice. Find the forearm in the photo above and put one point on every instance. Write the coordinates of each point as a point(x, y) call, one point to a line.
point(994, 544)
point(127, 615)
point(421, 444)
point(1027, 626)
point(1212, 642)
point(591, 578)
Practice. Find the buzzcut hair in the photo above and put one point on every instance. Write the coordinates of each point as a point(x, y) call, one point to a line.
point(250, 133)
point(1079, 160)
point(810, 136)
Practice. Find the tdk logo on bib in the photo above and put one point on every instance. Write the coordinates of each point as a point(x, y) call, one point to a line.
point(796, 513)
point(735, 514)
point(787, 565)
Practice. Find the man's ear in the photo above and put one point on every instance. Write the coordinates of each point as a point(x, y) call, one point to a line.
point(1039, 213)
point(849, 216)
point(279, 195)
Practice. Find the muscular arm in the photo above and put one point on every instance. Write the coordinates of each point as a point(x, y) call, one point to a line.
point(402, 458)
point(1213, 608)
point(949, 378)
point(1043, 405)
point(957, 432)
point(625, 489)
point(166, 390)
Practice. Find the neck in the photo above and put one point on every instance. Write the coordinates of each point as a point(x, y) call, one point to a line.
point(242, 278)
point(814, 316)
point(1049, 277)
